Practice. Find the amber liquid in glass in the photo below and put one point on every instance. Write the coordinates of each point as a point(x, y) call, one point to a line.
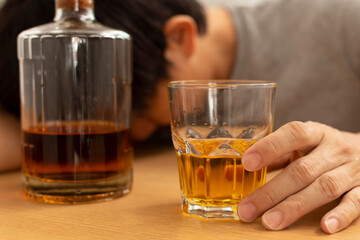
point(91, 156)
point(216, 181)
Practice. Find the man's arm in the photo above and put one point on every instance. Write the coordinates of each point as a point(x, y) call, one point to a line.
point(10, 152)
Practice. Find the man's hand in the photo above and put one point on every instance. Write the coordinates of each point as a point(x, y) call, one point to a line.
point(325, 165)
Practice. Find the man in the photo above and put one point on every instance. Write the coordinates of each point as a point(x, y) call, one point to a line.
point(310, 47)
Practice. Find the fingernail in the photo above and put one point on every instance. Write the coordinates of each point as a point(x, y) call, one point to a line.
point(272, 220)
point(247, 212)
point(252, 161)
point(332, 225)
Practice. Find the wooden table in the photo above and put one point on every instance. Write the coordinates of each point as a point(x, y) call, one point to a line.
point(150, 211)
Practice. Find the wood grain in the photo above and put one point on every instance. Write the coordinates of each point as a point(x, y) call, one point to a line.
point(150, 211)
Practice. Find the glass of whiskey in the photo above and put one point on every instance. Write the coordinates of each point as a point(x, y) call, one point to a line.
point(212, 124)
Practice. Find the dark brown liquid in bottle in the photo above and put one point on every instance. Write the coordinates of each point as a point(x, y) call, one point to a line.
point(76, 151)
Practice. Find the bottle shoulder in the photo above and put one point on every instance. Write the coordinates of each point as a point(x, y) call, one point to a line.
point(74, 29)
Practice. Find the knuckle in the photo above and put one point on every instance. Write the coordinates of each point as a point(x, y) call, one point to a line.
point(345, 149)
point(296, 205)
point(272, 144)
point(303, 172)
point(268, 196)
point(330, 186)
point(354, 199)
point(346, 218)
point(298, 131)
point(351, 211)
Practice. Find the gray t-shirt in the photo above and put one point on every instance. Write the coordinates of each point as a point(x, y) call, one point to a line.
point(311, 48)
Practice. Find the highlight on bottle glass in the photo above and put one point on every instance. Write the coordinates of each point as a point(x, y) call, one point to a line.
point(75, 79)
point(212, 124)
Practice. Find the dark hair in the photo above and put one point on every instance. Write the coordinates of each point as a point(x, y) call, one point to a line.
point(16, 16)
point(142, 19)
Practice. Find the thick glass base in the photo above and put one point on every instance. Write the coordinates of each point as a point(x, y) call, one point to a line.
point(210, 212)
point(56, 192)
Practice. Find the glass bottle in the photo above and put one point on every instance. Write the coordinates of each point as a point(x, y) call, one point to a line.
point(75, 88)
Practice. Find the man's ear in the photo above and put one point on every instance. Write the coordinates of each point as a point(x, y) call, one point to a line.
point(180, 32)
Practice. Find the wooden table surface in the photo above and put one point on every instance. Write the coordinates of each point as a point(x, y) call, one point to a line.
point(150, 211)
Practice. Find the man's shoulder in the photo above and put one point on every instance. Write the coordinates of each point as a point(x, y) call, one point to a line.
point(325, 14)
point(294, 5)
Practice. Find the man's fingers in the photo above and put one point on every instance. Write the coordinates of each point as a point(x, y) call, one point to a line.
point(325, 189)
point(290, 137)
point(326, 166)
point(342, 216)
point(297, 176)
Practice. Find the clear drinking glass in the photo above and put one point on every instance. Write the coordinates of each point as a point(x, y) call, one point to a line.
point(212, 124)
point(75, 79)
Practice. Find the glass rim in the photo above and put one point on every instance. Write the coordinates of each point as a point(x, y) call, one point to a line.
point(221, 83)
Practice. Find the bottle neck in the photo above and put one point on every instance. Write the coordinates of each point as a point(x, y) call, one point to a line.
point(76, 10)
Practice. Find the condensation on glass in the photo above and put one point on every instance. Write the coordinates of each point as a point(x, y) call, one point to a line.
point(75, 85)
